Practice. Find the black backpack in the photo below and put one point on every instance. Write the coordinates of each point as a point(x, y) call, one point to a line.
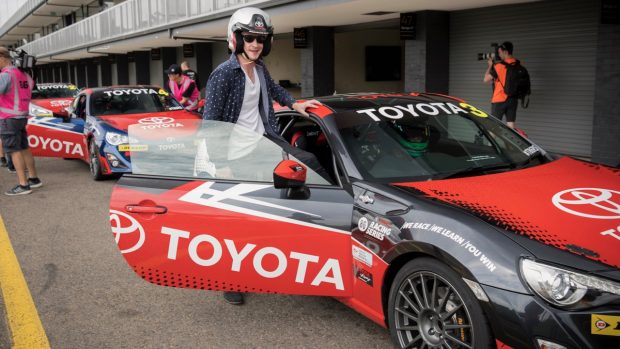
point(517, 82)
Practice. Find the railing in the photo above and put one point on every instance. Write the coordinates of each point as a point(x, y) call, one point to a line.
point(28, 7)
point(127, 19)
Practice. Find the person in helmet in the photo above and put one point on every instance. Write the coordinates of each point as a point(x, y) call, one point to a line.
point(242, 91)
point(413, 138)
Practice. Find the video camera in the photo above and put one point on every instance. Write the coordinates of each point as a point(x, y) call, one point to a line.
point(22, 60)
point(494, 55)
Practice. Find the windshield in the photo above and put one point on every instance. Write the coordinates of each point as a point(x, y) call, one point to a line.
point(132, 101)
point(390, 146)
point(54, 91)
point(206, 149)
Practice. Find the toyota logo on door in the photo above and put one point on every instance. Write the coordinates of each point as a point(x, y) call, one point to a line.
point(128, 233)
point(589, 202)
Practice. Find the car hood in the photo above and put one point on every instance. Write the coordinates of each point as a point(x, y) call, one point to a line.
point(154, 125)
point(56, 105)
point(569, 204)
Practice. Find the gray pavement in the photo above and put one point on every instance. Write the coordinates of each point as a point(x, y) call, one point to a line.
point(87, 297)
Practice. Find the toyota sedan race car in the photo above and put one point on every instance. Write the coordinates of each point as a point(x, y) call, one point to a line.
point(436, 221)
point(50, 98)
point(95, 130)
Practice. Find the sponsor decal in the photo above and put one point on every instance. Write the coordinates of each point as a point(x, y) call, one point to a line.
point(133, 147)
point(473, 110)
point(128, 233)
point(240, 260)
point(531, 150)
point(480, 158)
point(399, 111)
point(365, 276)
point(377, 230)
point(605, 325)
point(359, 254)
point(163, 92)
point(589, 202)
point(131, 91)
point(157, 122)
point(466, 244)
point(175, 146)
point(60, 103)
point(55, 145)
point(53, 87)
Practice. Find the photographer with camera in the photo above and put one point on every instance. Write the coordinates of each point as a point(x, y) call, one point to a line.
point(501, 103)
point(15, 92)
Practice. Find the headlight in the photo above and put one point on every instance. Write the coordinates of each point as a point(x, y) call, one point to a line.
point(35, 110)
point(567, 288)
point(114, 138)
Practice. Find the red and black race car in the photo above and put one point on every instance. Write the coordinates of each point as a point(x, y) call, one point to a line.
point(95, 130)
point(52, 98)
point(436, 221)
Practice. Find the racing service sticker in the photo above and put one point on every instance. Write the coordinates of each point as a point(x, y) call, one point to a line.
point(133, 147)
point(377, 230)
point(605, 325)
point(365, 276)
point(359, 254)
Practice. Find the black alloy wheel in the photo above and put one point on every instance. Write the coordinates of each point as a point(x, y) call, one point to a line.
point(94, 163)
point(430, 306)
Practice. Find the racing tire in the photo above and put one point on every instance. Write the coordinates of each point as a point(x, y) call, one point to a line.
point(430, 306)
point(94, 163)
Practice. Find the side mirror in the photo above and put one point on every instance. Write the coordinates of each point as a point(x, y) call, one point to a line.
point(65, 118)
point(291, 175)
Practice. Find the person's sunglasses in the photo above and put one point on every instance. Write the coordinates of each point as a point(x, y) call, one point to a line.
point(250, 38)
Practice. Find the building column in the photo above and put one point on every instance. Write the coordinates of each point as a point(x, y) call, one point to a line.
point(427, 57)
point(204, 61)
point(168, 58)
point(64, 72)
point(143, 65)
point(81, 74)
point(317, 63)
point(106, 71)
point(606, 128)
point(122, 69)
point(92, 80)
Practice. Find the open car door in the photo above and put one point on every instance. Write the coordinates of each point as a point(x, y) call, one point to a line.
point(201, 211)
point(57, 135)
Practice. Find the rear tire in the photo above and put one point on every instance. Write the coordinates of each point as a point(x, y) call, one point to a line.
point(430, 306)
point(94, 163)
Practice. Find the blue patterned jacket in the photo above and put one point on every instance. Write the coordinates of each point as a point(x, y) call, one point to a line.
point(225, 90)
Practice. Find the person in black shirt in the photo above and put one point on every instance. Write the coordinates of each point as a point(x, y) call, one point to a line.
point(187, 71)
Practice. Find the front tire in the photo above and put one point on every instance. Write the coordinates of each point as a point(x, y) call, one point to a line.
point(430, 306)
point(94, 163)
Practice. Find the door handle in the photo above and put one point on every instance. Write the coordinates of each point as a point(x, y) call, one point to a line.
point(146, 209)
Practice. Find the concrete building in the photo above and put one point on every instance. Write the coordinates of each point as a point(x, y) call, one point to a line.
point(570, 47)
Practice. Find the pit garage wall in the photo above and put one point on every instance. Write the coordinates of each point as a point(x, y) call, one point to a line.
point(556, 42)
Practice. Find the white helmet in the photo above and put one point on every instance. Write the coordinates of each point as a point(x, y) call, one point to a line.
point(252, 20)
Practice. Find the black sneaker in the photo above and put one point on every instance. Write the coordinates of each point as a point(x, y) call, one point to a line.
point(19, 190)
point(235, 298)
point(3, 162)
point(11, 169)
point(35, 182)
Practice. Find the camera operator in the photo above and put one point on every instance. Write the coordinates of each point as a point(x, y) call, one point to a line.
point(15, 92)
point(502, 104)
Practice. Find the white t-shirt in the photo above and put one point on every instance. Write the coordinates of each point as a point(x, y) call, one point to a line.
point(249, 117)
point(249, 128)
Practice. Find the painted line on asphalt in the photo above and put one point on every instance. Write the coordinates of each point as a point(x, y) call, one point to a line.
point(26, 329)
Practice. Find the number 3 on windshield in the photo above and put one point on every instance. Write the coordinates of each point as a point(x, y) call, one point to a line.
point(474, 110)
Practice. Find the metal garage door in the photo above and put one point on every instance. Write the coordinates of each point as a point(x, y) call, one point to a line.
point(556, 42)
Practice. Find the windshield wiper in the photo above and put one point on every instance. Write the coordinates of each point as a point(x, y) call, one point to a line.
point(475, 169)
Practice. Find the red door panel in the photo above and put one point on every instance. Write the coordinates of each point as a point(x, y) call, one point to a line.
point(50, 137)
point(235, 237)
